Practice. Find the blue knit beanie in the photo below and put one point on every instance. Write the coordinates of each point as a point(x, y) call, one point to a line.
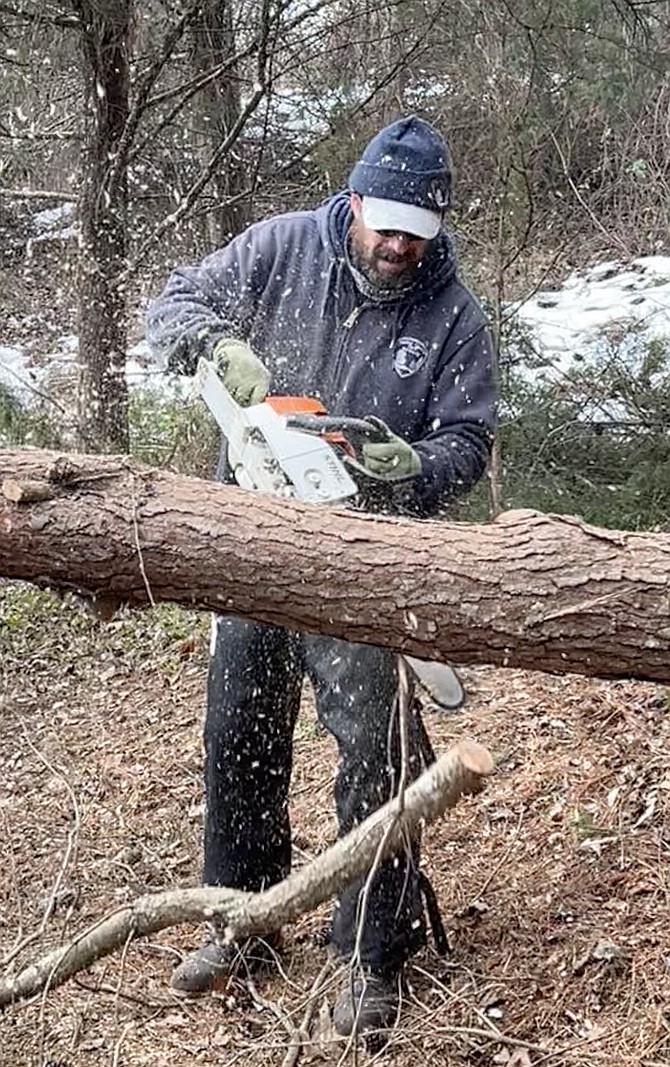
point(407, 161)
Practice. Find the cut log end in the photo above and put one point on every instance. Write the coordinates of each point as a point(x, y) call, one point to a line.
point(475, 758)
point(25, 492)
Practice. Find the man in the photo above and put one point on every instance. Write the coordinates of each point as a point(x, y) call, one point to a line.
point(356, 303)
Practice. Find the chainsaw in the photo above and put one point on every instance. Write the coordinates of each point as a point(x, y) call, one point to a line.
point(289, 446)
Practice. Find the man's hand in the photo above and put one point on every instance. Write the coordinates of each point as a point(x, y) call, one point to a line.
point(242, 373)
point(392, 458)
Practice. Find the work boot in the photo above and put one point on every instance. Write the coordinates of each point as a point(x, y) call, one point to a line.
point(210, 967)
point(373, 1008)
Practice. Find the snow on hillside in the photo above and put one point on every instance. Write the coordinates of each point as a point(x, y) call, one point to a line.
point(566, 325)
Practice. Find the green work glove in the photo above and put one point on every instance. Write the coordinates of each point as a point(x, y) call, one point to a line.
point(242, 373)
point(391, 458)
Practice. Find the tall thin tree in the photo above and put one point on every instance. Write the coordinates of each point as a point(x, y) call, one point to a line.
point(103, 208)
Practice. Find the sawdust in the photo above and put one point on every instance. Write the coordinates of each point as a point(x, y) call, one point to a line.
point(552, 884)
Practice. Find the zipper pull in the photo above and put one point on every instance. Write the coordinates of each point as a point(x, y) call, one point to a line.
point(352, 317)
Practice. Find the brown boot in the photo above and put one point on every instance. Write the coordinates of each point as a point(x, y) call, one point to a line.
point(210, 967)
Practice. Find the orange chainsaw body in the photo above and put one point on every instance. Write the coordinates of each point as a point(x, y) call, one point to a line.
point(306, 405)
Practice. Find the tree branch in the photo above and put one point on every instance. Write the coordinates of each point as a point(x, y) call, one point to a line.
point(140, 103)
point(224, 148)
point(459, 771)
point(39, 194)
point(40, 17)
point(194, 192)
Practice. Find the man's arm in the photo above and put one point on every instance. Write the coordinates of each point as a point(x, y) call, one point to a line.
point(202, 305)
point(461, 417)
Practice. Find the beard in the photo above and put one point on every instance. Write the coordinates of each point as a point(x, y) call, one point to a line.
point(404, 268)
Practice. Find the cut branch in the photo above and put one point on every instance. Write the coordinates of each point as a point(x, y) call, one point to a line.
point(544, 592)
point(25, 492)
point(459, 771)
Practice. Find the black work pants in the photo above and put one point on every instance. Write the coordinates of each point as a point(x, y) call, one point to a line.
point(254, 686)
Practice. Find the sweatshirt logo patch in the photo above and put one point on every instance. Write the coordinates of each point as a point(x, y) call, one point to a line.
point(409, 356)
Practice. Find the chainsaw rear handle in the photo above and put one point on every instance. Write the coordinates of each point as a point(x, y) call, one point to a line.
point(347, 432)
point(354, 429)
point(350, 433)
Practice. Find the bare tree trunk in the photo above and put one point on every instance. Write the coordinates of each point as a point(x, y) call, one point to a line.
point(103, 395)
point(528, 590)
point(214, 37)
point(495, 469)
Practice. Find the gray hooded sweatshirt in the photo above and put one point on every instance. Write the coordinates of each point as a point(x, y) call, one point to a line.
point(422, 363)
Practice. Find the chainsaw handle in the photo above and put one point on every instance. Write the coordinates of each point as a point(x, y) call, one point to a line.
point(353, 432)
point(353, 428)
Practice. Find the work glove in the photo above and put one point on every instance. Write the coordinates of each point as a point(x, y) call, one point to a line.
point(242, 373)
point(390, 458)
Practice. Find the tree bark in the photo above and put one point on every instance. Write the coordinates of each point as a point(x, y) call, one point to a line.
point(545, 592)
point(103, 210)
point(214, 45)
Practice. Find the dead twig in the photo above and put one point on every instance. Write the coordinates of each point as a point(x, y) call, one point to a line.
point(138, 546)
point(503, 860)
point(20, 942)
point(301, 1034)
point(272, 1006)
point(298, 1034)
point(122, 970)
point(73, 834)
point(117, 1046)
point(70, 851)
point(153, 1005)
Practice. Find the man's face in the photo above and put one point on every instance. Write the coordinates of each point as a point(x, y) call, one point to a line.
point(387, 258)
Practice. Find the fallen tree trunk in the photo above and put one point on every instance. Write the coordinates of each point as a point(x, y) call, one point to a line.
point(528, 590)
point(460, 770)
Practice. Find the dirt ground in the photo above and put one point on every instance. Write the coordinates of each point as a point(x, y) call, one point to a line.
point(552, 883)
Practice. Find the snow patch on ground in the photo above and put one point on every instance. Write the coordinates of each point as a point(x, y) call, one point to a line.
point(14, 372)
point(567, 326)
point(53, 224)
point(52, 217)
point(27, 382)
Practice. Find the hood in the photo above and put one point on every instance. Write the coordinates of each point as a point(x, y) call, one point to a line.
point(439, 267)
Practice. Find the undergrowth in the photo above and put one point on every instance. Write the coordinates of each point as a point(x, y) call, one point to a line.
point(165, 431)
point(38, 627)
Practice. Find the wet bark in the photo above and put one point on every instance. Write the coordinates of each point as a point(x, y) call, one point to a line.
point(529, 590)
